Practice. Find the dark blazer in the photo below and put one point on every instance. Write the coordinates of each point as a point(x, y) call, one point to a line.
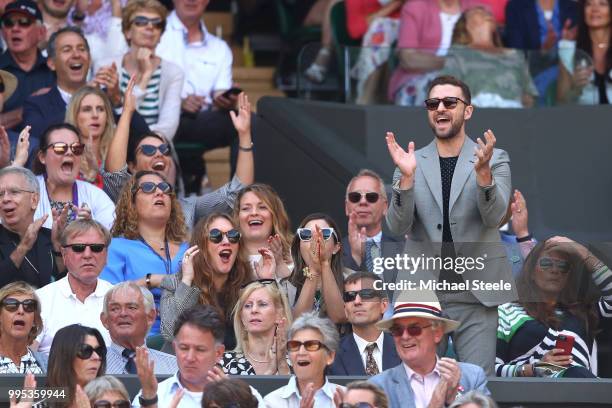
point(42, 111)
point(40, 256)
point(348, 360)
point(522, 28)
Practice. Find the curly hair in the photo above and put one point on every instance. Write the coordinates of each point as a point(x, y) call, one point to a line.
point(280, 219)
point(578, 297)
point(126, 216)
point(203, 276)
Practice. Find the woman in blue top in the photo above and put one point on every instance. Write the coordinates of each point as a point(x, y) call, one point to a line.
point(148, 235)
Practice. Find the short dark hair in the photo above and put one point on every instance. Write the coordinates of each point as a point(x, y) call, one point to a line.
point(37, 166)
point(205, 318)
point(451, 80)
point(134, 142)
point(357, 276)
point(51, 51)
point(227, 391)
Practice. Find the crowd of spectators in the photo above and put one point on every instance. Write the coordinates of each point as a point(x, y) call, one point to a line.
point(108, 267)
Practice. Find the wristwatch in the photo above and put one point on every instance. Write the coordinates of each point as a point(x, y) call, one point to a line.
point(147, 402)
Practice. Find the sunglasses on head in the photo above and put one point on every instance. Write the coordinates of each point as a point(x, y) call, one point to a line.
point(142, 21)
point(260, 281)
point(309, 345)
point(357, 405)
point(547, 263)
point(115, 404)
point(148, 187)
point(305, 234)
point(86, 350)
point(450, 102)
point(61, 148)
point(150, 150)
point(364, 294)
point(414, 331)
point(21, 21)
point(12, 304)
point(215, 235)
point(355, 197)
point(79, 248)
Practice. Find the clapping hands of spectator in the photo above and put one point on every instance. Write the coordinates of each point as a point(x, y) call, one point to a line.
point(5, 148)
point(307, 400)
point(519, 215)
point(279, 347)
point(242, 120)
point(129, 99)
point(267, 270)
point(484, 152)
point(568, 32)
point(187, 272)
point(22, 150)
point(28, 382)
point(91, 159)
point(108, 78)
point(29, 238)
point(145, 368)
point(60, 218)
point(357, 238)
point(404, 160)
point(450, 373)
point(216, 373)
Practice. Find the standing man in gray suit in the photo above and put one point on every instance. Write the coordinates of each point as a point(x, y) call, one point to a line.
point(450, 198)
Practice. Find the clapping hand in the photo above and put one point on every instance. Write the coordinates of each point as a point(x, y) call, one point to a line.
point(519, 215)
point(357, 238)
point(307, 400)
point(242, 120)
point(187, 271)
point(145, 368)
point(484, 153)
point(28, 239)
point(216, 373)
point(279, 349)
point(22, 150)
point(404, 160)
point(129, 100)
point(5, 148)
point(267, 270)
point(451, 373)
point(29, 382)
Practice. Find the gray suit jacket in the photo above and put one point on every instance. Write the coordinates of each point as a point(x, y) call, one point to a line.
point(397, 387)
point(474, 213)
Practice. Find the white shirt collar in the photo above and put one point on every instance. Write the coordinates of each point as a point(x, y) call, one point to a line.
point(291, 388)
point(176, 24)
point(66, 290)
point(362, 344)
point(376, 238)
point(66, 96)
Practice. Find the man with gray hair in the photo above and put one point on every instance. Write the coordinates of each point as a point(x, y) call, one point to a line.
point(79, 296)
point(28, 252)
point(128, 314)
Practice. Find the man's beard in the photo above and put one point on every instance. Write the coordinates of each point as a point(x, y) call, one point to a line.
point(450, 133)
point(54, 12)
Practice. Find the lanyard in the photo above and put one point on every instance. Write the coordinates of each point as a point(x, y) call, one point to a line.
point(75, 192)
point(168, 261)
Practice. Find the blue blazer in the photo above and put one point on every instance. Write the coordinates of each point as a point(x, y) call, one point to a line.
point(522, 26)
point(42, 111)
point(397, 387)
point(348, 361)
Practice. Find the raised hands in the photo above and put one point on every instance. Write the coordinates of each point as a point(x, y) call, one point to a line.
point(242, 121)
point(357, 238)
point(22, 150)
point(108, 78)
point(404, 160)
point(568, 32)
point(307, 400)
point(187, 265)
point(267, 270)
point(484, 153)
point(28, 239)
point(29, 382)
point(216, 373)
point(519, 215)
point(5, 148)
point(60, 218)
point(145, 369)
point(279, 347)
point(129, 100)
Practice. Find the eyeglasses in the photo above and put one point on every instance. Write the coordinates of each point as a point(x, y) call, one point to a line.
point(414, 331)
point(355, 197)
point(79, 248)
point(364, 294)
point(13, 192)
point(22, 22)
point(61, 148)
point(86, 350)
point(547, 263)
point(450, 102)
point(357, 405)
point(305, 234)
point(148, 187)
point(309, 345)
point(216, 235)
point(108, 404)
point(260, 281)
point(142, 21)
point(149, 150)
point(12, 304)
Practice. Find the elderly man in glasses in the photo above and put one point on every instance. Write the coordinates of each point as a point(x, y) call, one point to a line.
point(423, 379)
point(28, 252)
point(79, 296)
point(450, 198)
point(367, 350)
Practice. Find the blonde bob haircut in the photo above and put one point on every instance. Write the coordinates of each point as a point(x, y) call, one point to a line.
point(278, 298)
point(24, 288)
point(135, 6)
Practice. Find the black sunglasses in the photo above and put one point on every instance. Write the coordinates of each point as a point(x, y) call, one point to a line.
point(414, 331)
point(364, 294)
point(355, 197)
point(61, 148)
point(115, 404)
point(86, 350)
point(309, 345)
point(547, 263)
point(357, 405)
point(22, 22)
point(78, 248)
point(142, 21)
point(149, 150)
point(305, 234)
point(261, 281)
point(450, 102)
point(148, 187)
point(215, 235)
point(12, 304)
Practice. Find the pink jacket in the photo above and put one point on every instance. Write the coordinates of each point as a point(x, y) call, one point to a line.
point(420, 28)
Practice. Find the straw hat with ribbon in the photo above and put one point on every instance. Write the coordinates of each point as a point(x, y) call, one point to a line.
point(427, 310)
point(10, 84)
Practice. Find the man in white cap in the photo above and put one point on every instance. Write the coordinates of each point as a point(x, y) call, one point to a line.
point(423, 379)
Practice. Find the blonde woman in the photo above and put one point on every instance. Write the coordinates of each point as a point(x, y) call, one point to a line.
point(261, 318)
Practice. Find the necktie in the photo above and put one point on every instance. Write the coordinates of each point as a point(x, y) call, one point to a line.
point(371, 366)
point(130, 366)
point(371, 252)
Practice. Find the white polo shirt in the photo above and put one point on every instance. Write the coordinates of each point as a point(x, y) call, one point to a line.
point(207, 64)
point(60, 308)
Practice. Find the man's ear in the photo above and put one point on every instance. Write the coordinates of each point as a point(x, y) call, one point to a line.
point(104, 320)
point(151, 315)
point(219, 350)
point(467, 113)
point(42, 33)
point(51, 64)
